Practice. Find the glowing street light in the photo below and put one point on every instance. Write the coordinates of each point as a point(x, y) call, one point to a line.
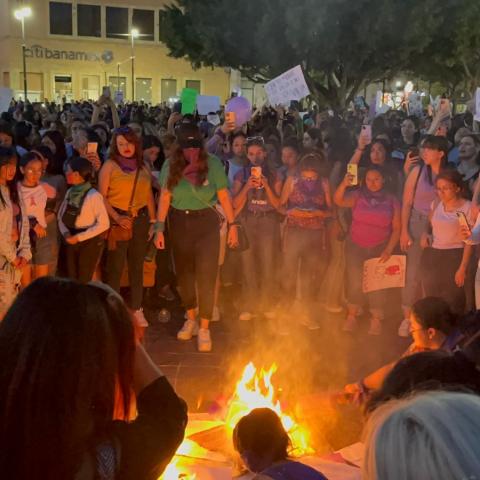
point(134, 33)
point(21, 14)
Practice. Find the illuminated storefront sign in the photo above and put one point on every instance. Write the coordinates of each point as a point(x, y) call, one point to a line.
point(37, 51)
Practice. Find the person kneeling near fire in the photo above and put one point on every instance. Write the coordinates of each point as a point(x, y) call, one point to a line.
point(263, 444)
point(433, 326)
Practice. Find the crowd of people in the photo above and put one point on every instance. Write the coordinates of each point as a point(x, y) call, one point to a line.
point(284, 210)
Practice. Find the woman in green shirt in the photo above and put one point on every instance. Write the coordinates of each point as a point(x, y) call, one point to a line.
point(192, 183)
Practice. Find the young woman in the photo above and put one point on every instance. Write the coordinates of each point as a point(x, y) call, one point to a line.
point(374, 232)
point(14, 231)
point(126, 186)
point(192, 182)
point(256, 193)
point(291, 153)
point(469, 162)
point(55, 141)
point(238, 158)
point(445, 257)
point(70, 371)
point(35, 195)
point(82, 219)
point(418, 195)
point(263, 445)
point(312, 139)
point(308, 203)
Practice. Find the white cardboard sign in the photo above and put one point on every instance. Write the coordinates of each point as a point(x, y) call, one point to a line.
point(289, 86)
point(378, 276)
point(207, 104)
point(6, 95)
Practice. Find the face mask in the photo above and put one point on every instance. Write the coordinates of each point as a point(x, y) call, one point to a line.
point(308, 186)
point(191, 155)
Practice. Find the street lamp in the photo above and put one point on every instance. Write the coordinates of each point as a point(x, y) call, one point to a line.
point(134, 33)
point(21, 14)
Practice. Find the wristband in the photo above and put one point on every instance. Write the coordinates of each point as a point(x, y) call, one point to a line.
point(159, 227)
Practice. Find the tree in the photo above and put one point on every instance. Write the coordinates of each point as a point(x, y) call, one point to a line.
point(342, 45)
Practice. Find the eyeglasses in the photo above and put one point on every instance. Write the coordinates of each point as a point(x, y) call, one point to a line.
point(257, 139)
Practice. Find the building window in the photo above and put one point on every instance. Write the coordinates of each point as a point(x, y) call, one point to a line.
point(195, 84)
point(63, 88)
point(90, 87)
point(89, 23)
point(143, 90)
point(117, 22)
point(60, 18)
point(169, 90)
point(118, 84)
point(144, 22)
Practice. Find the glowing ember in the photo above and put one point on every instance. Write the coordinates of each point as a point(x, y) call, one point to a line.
point(255, 390)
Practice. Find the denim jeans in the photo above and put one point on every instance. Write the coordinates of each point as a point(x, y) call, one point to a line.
point(356, 257)
point(195, 240)
point(306, 258)
point(133, 252)
point(258, 262)
point(412, 290)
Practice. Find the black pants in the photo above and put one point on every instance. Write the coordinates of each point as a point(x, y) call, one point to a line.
point(81, 258)
point(133, 251)
point(438, 268)
point(195, 240)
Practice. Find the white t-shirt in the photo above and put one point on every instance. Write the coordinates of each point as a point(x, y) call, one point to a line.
point(35, 201)
point(446, 226)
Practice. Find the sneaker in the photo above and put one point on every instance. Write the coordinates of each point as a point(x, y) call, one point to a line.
point(204, 341)
point(167, 294)
point(350, 324)
point(189, 330)
point(375, 326)
point(186, 314)
point(270, 315)
point(215, 314)
point(334, 308)
point(404, 328)
point(140, 318)
point(245, 316)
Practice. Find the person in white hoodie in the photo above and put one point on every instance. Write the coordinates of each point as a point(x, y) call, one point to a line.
point(14, 231)
point(82, 221)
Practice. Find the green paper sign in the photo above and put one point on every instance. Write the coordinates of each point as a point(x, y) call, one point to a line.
point(188, 97)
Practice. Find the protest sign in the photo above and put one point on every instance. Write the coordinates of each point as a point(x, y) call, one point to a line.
point(378, 276)
point(188, 97)
point(288, 86)
point(118, 97)
point(6, 95)
point(207, 104)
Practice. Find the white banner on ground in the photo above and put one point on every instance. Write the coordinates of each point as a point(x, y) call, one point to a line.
point(207, 104)
point(289, 86)
point(378, 276)
point(6, 95)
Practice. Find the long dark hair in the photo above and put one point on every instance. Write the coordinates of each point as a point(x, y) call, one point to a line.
point(65, 349)
point(130, 137)
point(6, 155)
point(436, 143)
point(21, 132)
point(60, 155)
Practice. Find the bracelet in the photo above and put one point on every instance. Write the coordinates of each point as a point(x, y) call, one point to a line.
point(158, 227)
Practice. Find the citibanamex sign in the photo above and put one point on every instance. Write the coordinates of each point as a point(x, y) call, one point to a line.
point(37, 51)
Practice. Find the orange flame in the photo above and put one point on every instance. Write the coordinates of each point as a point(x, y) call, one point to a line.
point(255, 390)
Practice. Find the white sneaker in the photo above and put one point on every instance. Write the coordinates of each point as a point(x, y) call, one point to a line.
point(245, 316)
point(186, 314)
point(404, 328)
point(204, 341)
point(189, 330)
point(140, 318)
point(215, 314)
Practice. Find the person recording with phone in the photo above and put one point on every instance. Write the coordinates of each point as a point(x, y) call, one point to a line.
point(374, 232)
point(256, 191)
point(446, 257)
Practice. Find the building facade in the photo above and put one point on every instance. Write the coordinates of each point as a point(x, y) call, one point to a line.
point(76, 47)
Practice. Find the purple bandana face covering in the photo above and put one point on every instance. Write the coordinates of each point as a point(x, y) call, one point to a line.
point(308, 186)
point(191, 171)
point(128, 165)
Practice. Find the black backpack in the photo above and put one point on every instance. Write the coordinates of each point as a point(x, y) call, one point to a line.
point(71, 213)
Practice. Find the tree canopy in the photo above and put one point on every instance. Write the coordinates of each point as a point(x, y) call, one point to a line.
point(342, 45)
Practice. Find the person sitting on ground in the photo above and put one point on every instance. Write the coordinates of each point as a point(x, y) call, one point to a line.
point(433, 327)
point(263, 444)
point(431, 436)
point(70, 373)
